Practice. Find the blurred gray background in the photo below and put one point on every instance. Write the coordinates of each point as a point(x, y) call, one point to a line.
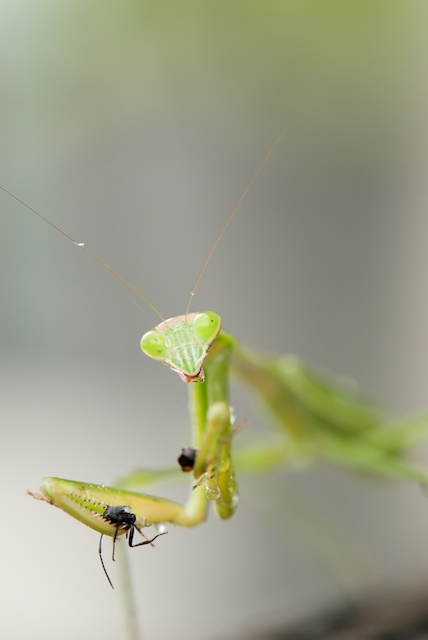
point(135, 126)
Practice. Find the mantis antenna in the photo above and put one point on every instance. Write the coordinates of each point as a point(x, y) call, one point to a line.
point(81, 245)
point(232, 213)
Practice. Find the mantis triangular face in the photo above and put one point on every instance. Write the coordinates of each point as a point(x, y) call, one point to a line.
point(183, 343)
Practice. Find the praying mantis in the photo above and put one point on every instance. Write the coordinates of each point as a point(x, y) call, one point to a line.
point(316, 419)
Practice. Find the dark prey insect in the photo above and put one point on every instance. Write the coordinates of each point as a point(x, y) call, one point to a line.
point(124, 519)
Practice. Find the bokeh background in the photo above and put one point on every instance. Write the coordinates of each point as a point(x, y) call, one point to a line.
point(135, 126)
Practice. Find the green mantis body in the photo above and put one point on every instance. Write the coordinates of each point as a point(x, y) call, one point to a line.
point(315, 418)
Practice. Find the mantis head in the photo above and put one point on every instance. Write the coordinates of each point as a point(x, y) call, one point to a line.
point(183, 343)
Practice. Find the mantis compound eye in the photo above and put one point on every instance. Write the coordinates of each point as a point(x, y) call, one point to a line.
point(206, 326)
point(153, 344)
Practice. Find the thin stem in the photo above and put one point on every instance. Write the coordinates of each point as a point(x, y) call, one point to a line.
point(128, 595)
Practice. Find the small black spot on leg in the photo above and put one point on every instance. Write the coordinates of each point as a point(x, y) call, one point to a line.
point(187, 458)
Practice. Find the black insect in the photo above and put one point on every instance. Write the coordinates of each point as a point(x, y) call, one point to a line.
point(124, 519)
point(187, 458)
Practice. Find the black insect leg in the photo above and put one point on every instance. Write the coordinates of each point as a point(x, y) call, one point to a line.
point(102, 562)
point(139, 544)
point(114, 541)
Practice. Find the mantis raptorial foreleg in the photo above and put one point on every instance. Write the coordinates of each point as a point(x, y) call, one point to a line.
point(88, 503)
point(213, 468)
point(115, 512)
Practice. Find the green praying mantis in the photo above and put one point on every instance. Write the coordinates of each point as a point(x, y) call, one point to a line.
point(316, 418)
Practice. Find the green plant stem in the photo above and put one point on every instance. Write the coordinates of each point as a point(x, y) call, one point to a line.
point(127, 592)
